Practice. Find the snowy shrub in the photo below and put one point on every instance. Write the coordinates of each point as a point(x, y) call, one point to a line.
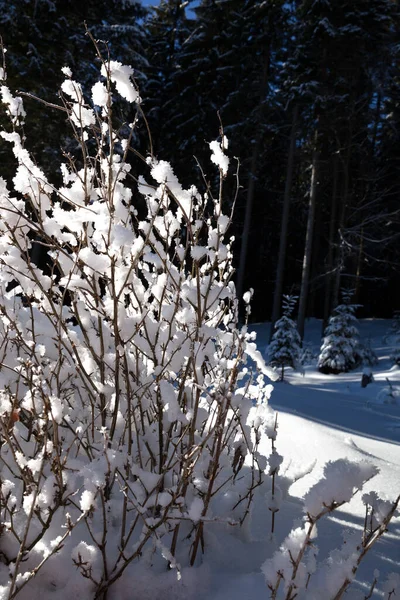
point(132, 408)
point(340, 346)
point(128, 416)
point(285, 347)
point(294, 570)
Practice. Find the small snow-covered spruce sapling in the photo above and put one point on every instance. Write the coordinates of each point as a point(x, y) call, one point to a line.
point(340, 350)
point(128, 415)
point(285, 347)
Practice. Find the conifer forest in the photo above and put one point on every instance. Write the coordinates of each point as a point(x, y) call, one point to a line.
point(307, 93)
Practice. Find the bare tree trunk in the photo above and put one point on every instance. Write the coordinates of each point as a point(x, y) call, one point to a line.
point(315, 262)
point(329, 263)
point(367, 179)
point(276, 309)
point(376, 124)
point(252, 184)
point(340, 261)
point(359, 268)
point(309, 239)
point(247, 221)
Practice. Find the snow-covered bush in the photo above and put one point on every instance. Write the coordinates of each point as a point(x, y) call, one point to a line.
point(131, 418)
point(127, 412)
point(340, 346)
point(294, 570)
point(285, 347)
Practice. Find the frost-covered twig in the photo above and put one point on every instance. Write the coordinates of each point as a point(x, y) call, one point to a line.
point(294, 564)
point(388, 511)
point(274, 461)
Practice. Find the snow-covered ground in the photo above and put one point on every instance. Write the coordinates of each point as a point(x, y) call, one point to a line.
point(322, 418)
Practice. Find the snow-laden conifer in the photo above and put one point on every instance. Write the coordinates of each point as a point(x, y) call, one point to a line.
point(285, 347)
point(340, 346)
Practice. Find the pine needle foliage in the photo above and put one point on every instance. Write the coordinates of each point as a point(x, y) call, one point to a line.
point(285, 348)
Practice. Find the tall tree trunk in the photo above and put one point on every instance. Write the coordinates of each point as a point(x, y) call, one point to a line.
point(315, 262)
point(276, 309)
point(367, 179)
point(357, 285)
point(309, 239)
point(329, 262)
point(247, 220)
point(376, 124)
point(340, 261)
point(252, 182)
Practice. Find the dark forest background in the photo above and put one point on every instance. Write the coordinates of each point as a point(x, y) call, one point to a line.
point(309, 98)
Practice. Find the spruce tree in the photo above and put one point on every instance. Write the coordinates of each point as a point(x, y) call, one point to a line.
point(340, 350)
point(285, 347)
